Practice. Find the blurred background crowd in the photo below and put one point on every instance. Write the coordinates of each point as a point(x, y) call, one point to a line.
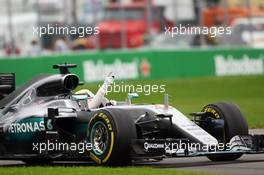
point(127, 24)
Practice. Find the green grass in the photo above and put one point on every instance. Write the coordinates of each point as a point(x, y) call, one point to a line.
point(91, 171)
point(189, 95)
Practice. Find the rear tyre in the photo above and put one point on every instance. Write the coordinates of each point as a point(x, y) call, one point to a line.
point(234, 124)
point(110, 135)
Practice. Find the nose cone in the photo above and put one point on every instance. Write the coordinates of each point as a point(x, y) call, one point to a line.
point(190, 129)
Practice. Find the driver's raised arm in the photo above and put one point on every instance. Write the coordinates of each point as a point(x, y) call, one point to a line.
point(99, 96)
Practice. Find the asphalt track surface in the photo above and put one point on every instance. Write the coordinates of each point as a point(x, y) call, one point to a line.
point(246, 165)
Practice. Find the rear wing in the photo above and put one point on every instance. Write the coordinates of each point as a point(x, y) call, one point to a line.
point(7, 84)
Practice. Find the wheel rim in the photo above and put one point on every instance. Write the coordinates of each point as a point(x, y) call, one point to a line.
point(99, 138)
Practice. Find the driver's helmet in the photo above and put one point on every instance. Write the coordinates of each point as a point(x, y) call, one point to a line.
point(85, 92)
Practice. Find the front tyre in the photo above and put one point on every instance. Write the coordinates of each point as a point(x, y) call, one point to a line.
point(110, 135)
point(233, 123)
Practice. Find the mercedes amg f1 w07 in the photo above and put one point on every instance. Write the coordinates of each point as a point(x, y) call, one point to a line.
point(46, 120)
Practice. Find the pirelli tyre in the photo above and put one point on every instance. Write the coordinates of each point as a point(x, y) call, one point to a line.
point(110, 133)
point(233, 123)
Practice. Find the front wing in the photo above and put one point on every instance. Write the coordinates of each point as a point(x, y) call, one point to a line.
point(147, 148)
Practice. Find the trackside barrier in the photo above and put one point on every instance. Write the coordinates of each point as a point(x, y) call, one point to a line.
point(143, 64)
